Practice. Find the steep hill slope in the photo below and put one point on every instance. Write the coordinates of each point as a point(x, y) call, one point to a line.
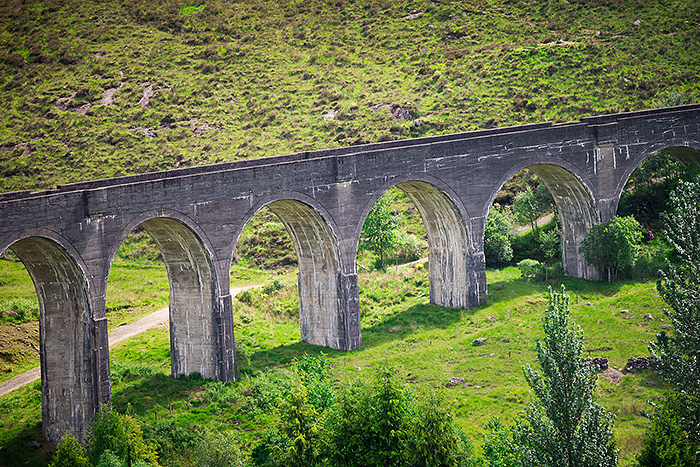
point(96, 89)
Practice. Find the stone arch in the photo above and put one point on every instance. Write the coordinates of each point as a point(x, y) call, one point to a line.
point(575, 201)
point(686, 154)
point(201, 330)
point(327, 312)
point(454, 277)
point(74, 364)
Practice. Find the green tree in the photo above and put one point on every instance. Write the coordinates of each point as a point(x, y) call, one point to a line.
point(563, 426)
point(527, 210)
point(434, 439)
point(380, 230)
point(666, 443)
point(613, 246)
point(122, 435)
point(498, 237)
point(371, 425)
point(679, 286)
point(69, 453)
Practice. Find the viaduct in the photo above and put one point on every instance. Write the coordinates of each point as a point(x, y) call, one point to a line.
point(67, 237)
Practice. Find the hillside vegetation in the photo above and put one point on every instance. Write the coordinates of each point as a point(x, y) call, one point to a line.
point(97, 89)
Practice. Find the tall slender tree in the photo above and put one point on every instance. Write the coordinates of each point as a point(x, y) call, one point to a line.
point(563, 426)
point(679, 286)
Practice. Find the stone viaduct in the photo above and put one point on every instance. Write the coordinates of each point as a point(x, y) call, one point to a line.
point(67, 237)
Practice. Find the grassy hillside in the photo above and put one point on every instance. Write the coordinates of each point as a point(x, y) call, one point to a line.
point(96, 89)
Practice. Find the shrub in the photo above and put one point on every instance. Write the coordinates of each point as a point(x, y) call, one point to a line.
point(122, 435)
point(613, 246)
point(216, 449)
point(530, 268)
point(69, 453)
point(666, 443)
point(498, 237)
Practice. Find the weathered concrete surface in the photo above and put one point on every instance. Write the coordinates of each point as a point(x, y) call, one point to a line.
point(68, 237)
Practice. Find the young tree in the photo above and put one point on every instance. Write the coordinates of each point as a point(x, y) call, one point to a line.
point(527, 210)
point(69, 453)
point(498, 237)
point(380, 230)
point(563, 427)
point(122, 435)
point(679, 286)
point(613, 246)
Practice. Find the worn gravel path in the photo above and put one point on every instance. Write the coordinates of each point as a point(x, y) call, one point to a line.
point(153, 320)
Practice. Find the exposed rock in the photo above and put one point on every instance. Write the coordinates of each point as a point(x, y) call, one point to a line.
point(146, 132)
point(147, 94)
point(330, 115)
point(83, 109)
point(479, 341)
point(637, 23)
point(642, 363)
point(399, 114)
point(108, 95)
point(624, 311)
point(665, 326)
point(198, 130)
point(357, 368)
point(413, 15)
point(64, 103)
point(648, 316)
point(588, 304)
point(613, 375)
point(455, 382)
point(597, 363)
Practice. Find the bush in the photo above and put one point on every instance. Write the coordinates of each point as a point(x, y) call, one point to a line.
point(69, 453)
point(121, 435)
point(666, 443)
point(613, 246)
point(530, 268)
point(216, 449)
point(498, 237)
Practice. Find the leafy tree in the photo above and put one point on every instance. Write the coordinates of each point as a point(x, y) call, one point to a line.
point(613, 246)
point(563, 426)
point(434, 438)
point(667, 443)
point(122, 435)
point(527, 209)
point(498, 237)
point(371, 425)
point(498, 448)
point(679, 286)
point(69, 453)
point(380, 230)
point(217, 449)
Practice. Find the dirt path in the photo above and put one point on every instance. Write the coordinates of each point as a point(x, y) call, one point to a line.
point(540, 222)
point(153, 320)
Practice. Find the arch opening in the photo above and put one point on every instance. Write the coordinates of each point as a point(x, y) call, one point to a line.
point(68, 338)
point(194, 309)
point(322, 318)
point(452, 272)
point(553, 199)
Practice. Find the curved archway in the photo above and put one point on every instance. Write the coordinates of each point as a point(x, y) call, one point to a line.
point(685, 155)
point(453, 274)
point(577, 213)
point(324, 316)
point(68, 338)
point(199, 330)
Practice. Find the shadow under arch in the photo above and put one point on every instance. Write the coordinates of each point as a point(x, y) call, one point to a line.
point(69, 353)
point(577, 212)
point(328, 312)
point(453, 274)
point(201, 330)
